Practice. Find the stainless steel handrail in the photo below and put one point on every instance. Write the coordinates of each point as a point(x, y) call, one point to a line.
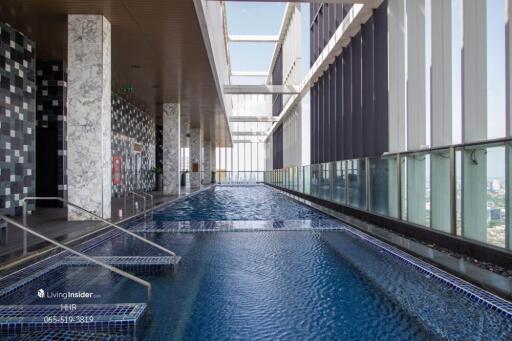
point(151, 196)
point(134, 194)
point(24, 204)
point(80, 254)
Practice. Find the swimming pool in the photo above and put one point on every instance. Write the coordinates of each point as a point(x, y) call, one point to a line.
point(262, 277)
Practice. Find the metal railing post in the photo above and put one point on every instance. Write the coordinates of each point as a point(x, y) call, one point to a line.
point(399, 185)
point(367, 187)
point(25, 237)
point(453, 191)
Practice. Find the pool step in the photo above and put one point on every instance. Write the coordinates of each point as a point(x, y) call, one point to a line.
point(52, 335)
point(238, 226)
point(128, 319)
point(138, 265)
point(16, 281)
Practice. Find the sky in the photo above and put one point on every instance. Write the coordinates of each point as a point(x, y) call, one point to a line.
point(259, 18)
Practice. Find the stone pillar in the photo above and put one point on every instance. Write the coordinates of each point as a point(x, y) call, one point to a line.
point(89, 112)
point(207, 163)
point(171, 148)
point(195, 158)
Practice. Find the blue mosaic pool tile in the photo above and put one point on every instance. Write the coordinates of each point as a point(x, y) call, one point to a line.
point(68, 335)
point(479, 295)
point(142, 266)
point(124, 319)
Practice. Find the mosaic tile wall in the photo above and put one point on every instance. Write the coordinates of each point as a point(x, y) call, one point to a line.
point(51, 111)
point(133, 148)
point(17, 119)
point(159, 149)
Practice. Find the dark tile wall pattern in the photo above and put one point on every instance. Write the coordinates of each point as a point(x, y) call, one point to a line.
point(159, 148)
point(277, 148)
point(133, 143)
point(17, 118)
point(51, 114)
point(349, 102)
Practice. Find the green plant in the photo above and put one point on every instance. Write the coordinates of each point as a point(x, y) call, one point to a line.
point(157, 170)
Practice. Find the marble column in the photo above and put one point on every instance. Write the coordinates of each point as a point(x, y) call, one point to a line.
point(171, 148)
point(195, 158)
point(89, 111)
point(207, 163)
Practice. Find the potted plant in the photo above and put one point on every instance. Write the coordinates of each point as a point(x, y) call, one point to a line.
point(159, 179)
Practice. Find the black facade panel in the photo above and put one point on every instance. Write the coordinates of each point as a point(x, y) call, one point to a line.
point(320, 23)
point(277, 148)
point(381, 78)
point(368, 70)
point(332, 113)
point(327, 117)
point(339, 108)
point(320, 130)
point(317, 123)
point(277, 79)
point(357, 119)
point(347, 102)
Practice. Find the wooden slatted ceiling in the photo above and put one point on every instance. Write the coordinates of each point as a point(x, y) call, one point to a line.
point(163, 37)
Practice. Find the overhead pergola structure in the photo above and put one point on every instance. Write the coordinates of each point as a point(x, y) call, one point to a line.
point(252, 118)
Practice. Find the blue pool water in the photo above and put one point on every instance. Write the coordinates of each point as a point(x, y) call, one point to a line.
point(279, 285)
point(238, 203)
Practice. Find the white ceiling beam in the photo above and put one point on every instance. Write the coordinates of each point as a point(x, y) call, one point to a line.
point(232, 38)
point(256, 118)
point(260, 89)
point(249, 133)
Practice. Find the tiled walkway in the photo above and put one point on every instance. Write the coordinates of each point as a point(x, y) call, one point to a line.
point(52, 223)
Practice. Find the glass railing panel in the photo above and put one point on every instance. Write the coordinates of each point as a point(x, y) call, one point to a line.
point(300, 179)
point(440, 208)
point(483, 206)
point(356, 178)
point(307, 179)
point(339, 181)
point(383, 186)
point(315, 180)
point(325, 184)
point(415, 175)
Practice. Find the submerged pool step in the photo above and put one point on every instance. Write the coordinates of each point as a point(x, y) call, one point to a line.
point(52, 335)
point(128, 319)
point(238, 226)
point(138, 265)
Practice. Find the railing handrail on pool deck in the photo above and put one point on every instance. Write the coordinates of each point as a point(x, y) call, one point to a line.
point(147, 241)
point(134, 194)
point(151, 196)
point(82, 255)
